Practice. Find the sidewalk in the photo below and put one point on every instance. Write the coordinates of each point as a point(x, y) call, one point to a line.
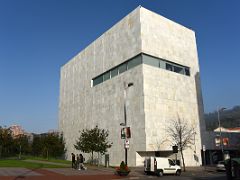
point(13, 171)
point(138, 170)
point(190, 171)
point(92, 172)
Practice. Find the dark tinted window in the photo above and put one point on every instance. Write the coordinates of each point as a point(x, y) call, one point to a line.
point(98, 80)
point(178, 69)
point(151, 61)
point(187, 71)
point(122, 68)
point(171, 162)
point(106, 76)
point(134, 62)
point(142, 58)
point(169, 67)
point(114, 72)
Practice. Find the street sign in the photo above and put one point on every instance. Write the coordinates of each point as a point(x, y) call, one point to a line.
point(225, 141)
point(126, 144)
point(217, 141)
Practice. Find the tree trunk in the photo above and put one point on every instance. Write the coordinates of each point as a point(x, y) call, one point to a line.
point(92, 157)
point(184, 169)
point(20, 152)
point(0, 151)
point(98, 158)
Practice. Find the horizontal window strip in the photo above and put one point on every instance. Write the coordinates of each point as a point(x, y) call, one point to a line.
point(141, 59)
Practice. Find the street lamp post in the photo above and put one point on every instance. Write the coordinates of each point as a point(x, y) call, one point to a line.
point(220, 129)
point(126, 86)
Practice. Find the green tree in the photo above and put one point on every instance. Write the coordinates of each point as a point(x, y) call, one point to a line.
point(53, 145)
point(6, 142)
point(37, 145)
point(59, 148)
point(48, 145)
point(93, 140)
point(22, 145)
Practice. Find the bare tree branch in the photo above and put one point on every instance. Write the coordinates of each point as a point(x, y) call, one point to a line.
point(182, 135)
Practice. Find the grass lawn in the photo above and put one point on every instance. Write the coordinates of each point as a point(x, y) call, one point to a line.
point(32, 165)
point(47, 160)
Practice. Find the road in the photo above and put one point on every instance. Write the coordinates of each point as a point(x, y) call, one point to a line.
point(98, 173)
point(217, 176)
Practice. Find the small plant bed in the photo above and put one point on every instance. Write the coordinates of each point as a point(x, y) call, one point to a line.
point(122, 170)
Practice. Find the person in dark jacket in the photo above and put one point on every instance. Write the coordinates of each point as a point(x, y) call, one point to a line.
point(73, 161)
point(78, 162)
point(81, 160)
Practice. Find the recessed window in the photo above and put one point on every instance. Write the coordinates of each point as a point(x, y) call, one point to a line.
point(178, 69)
point(187, 71)
point(169, 67)
point(106, 76)
point(151, 61)
point(122, 68)
point(114, 72)
point(134, 62)
point(98, 80)
point(162, 64)
point(141, 59)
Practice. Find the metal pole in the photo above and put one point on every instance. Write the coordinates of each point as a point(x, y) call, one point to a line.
point(220, 130)
point(125, 110)
point(125, 118)
point(126, 85)
point(0, 151)
point(175, 158)
point(20, 152)
point(204, 159)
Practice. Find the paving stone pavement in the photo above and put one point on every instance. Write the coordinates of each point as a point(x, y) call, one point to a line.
point(18, 172)
point(74, 172)
point(91, 173)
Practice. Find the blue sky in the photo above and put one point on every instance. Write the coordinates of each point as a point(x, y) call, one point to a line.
point(38, 37)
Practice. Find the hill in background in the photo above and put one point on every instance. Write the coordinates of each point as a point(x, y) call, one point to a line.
point(229, 118)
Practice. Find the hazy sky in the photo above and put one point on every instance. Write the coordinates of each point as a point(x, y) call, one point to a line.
point(38, 36)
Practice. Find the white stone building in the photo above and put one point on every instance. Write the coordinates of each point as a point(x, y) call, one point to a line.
point(160, 58)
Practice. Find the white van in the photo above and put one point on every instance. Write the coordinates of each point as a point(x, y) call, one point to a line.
point(160, 166)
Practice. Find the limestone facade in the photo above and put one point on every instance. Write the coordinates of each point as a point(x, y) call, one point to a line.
point(157, 97)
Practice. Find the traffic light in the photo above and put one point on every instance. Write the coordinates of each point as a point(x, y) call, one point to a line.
point(125, 133)
point(128, 132)
point(175, 149)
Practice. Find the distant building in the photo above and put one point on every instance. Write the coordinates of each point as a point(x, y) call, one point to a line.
point(230, 130)
point(53, 131)
point(226, 140)
point(16, 130)
point(158, 58)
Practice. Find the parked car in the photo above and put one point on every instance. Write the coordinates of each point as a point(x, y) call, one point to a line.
point(232, 168)
point(220, 166)
point(161, 166)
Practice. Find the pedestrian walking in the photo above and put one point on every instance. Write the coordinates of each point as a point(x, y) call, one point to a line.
point(78, 162)
point(73, 161)
point(81, 162)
